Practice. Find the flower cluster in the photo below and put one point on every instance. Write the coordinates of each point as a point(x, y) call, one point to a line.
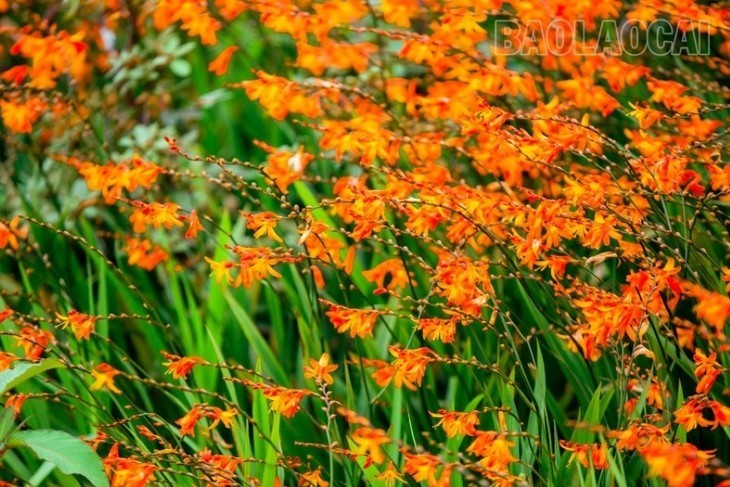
point(448, 262)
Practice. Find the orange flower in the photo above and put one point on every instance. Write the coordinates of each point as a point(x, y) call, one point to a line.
point(5, 314)
point(320, 369)
point(463, 282)
point(369, 442)
point(199, 411)
point(388, 275)
point(193, 17)
point(81, 324)
point(99, 438)
point(195, 225)
point(218, 415)
point(52, 56)
point(677, 463)
point(384, 371)
point(144, 254)
point(104, 378)
point(281, 96)
point(409, 365)
point(111, 179)
point(16, 74)
point(317, 276)
point(601, 230)
point(180, 367)
point(10, 233)
point(286, 401)
point(284, 168)
point(440, 329)
point(6, 360)
point(368, 211)
point(494, 450)
point(334, 55)
point(221, 270)
point(692, 414)
point(712, 307)
point(263, 223)
point(127, 472)
point(34, 341)
point(187, 423)
point(456, 423)
point(707, 370)
point(321, 244)
point(359, 322)
point(352, 417)
point(645, 115)
point(639, 435)
point(655, 395)
point(219, 65)
point(223, 468)
point(423, 467)
point(155, 214)
point(16, 401)
point(557, 265)
point(147, 433)
point(19, 117)
point(312, 479)
point(254, 264)
point(390, 476)
point(590, 456)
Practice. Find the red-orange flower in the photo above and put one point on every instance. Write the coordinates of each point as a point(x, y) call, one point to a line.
point(187, 423)
point(457, 423)
point(388, 275)
point(707, 370)
point(33, 340)
point(155, 214)
point(700, 411)
point(145, 254)
point(16, 401)
point(194, 226)
point(219, 65)
point(284, 400)
point(359, 322)
point(369, 442)
point(222, 468)
point(11, 232)
point(590, 456)
point(180, 367)
point(6, 360)
point(127, 472)
point(263, 224)
point(81, 324)
point(409, 365)
point(104, 378)
point(677, 463)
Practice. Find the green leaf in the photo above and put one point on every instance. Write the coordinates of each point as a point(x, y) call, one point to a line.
point(22, 372)
point(7, 421)
point(271, 457)
point(181, 68)
point(540, 385)
point(269, 360)
point(70, 454)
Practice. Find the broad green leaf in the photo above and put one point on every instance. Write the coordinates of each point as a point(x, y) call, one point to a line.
point(22, 372)
point(70, 454)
